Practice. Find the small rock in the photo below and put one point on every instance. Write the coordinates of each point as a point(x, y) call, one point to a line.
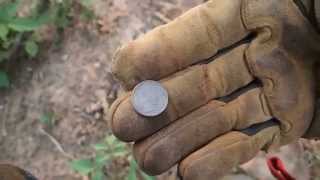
point(81, 140)
point(65, 57)
point(40, 76)
point(97, 65)
point(102, 97)
point(97, 115)
point(93, 108)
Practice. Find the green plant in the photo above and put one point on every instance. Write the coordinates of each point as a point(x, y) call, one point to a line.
point(105, 153)
point(12, 27)
point(47, 119)
point(65, 11)
point(4, 80)
point(19, 33)
point(12, 30)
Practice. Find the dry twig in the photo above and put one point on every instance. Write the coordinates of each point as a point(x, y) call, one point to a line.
point(56, 143)
point(162, 17)
point(4, 124)
point(4, 129)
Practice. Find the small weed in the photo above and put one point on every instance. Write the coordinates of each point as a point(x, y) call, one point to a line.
point(12, 27)
point(105, 153)
point(4, 80)
point(17, 31)
point(47, 119)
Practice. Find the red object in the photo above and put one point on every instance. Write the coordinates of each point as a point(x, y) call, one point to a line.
point(278, 169)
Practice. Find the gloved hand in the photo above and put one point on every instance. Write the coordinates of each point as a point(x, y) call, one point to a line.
point(9, 172)
point(237, 85)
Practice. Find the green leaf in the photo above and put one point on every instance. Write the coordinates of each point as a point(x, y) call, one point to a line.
point(31, 48)
point(118, 146)
point(85, 3)
point(86, 15)
point(98, 175)
point(8, 11)
point(119, 154)
point(132, 171)
point(120, 150)
point(111, 140)
point(10, 41)
point(4, 31)
point(100, 147)
point(47, 118)
point(61, 12)
point(83, 166)
point(4, 80)
point(29, 23)
point(4, 55)
point(6, 44)
point(101, 159)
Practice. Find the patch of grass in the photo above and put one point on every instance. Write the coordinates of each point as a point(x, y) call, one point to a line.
point(107, 152)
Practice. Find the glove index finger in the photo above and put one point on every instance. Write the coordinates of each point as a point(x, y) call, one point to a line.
point(197, 35)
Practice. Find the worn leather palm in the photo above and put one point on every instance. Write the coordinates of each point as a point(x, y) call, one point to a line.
point(219, 85)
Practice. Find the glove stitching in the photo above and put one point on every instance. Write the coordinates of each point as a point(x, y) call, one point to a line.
point(260, 24)
point(244, 15)
point(253, 69)
point(264, 104)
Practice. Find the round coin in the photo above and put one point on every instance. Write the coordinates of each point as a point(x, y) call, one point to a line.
point(149, 98)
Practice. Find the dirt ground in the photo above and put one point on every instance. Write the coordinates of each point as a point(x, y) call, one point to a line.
point(73, 82)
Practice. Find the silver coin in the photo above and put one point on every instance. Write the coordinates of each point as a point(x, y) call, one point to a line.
point(150, 98)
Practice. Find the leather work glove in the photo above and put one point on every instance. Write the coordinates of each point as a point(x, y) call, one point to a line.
point(234, 70)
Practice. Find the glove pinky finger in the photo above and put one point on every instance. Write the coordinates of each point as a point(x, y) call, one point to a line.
point(217, 158)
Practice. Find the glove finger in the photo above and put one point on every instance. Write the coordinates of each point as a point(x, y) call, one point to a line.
point(187, 91)
point(224, 153)
point(167, 147)
point(195, 36)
